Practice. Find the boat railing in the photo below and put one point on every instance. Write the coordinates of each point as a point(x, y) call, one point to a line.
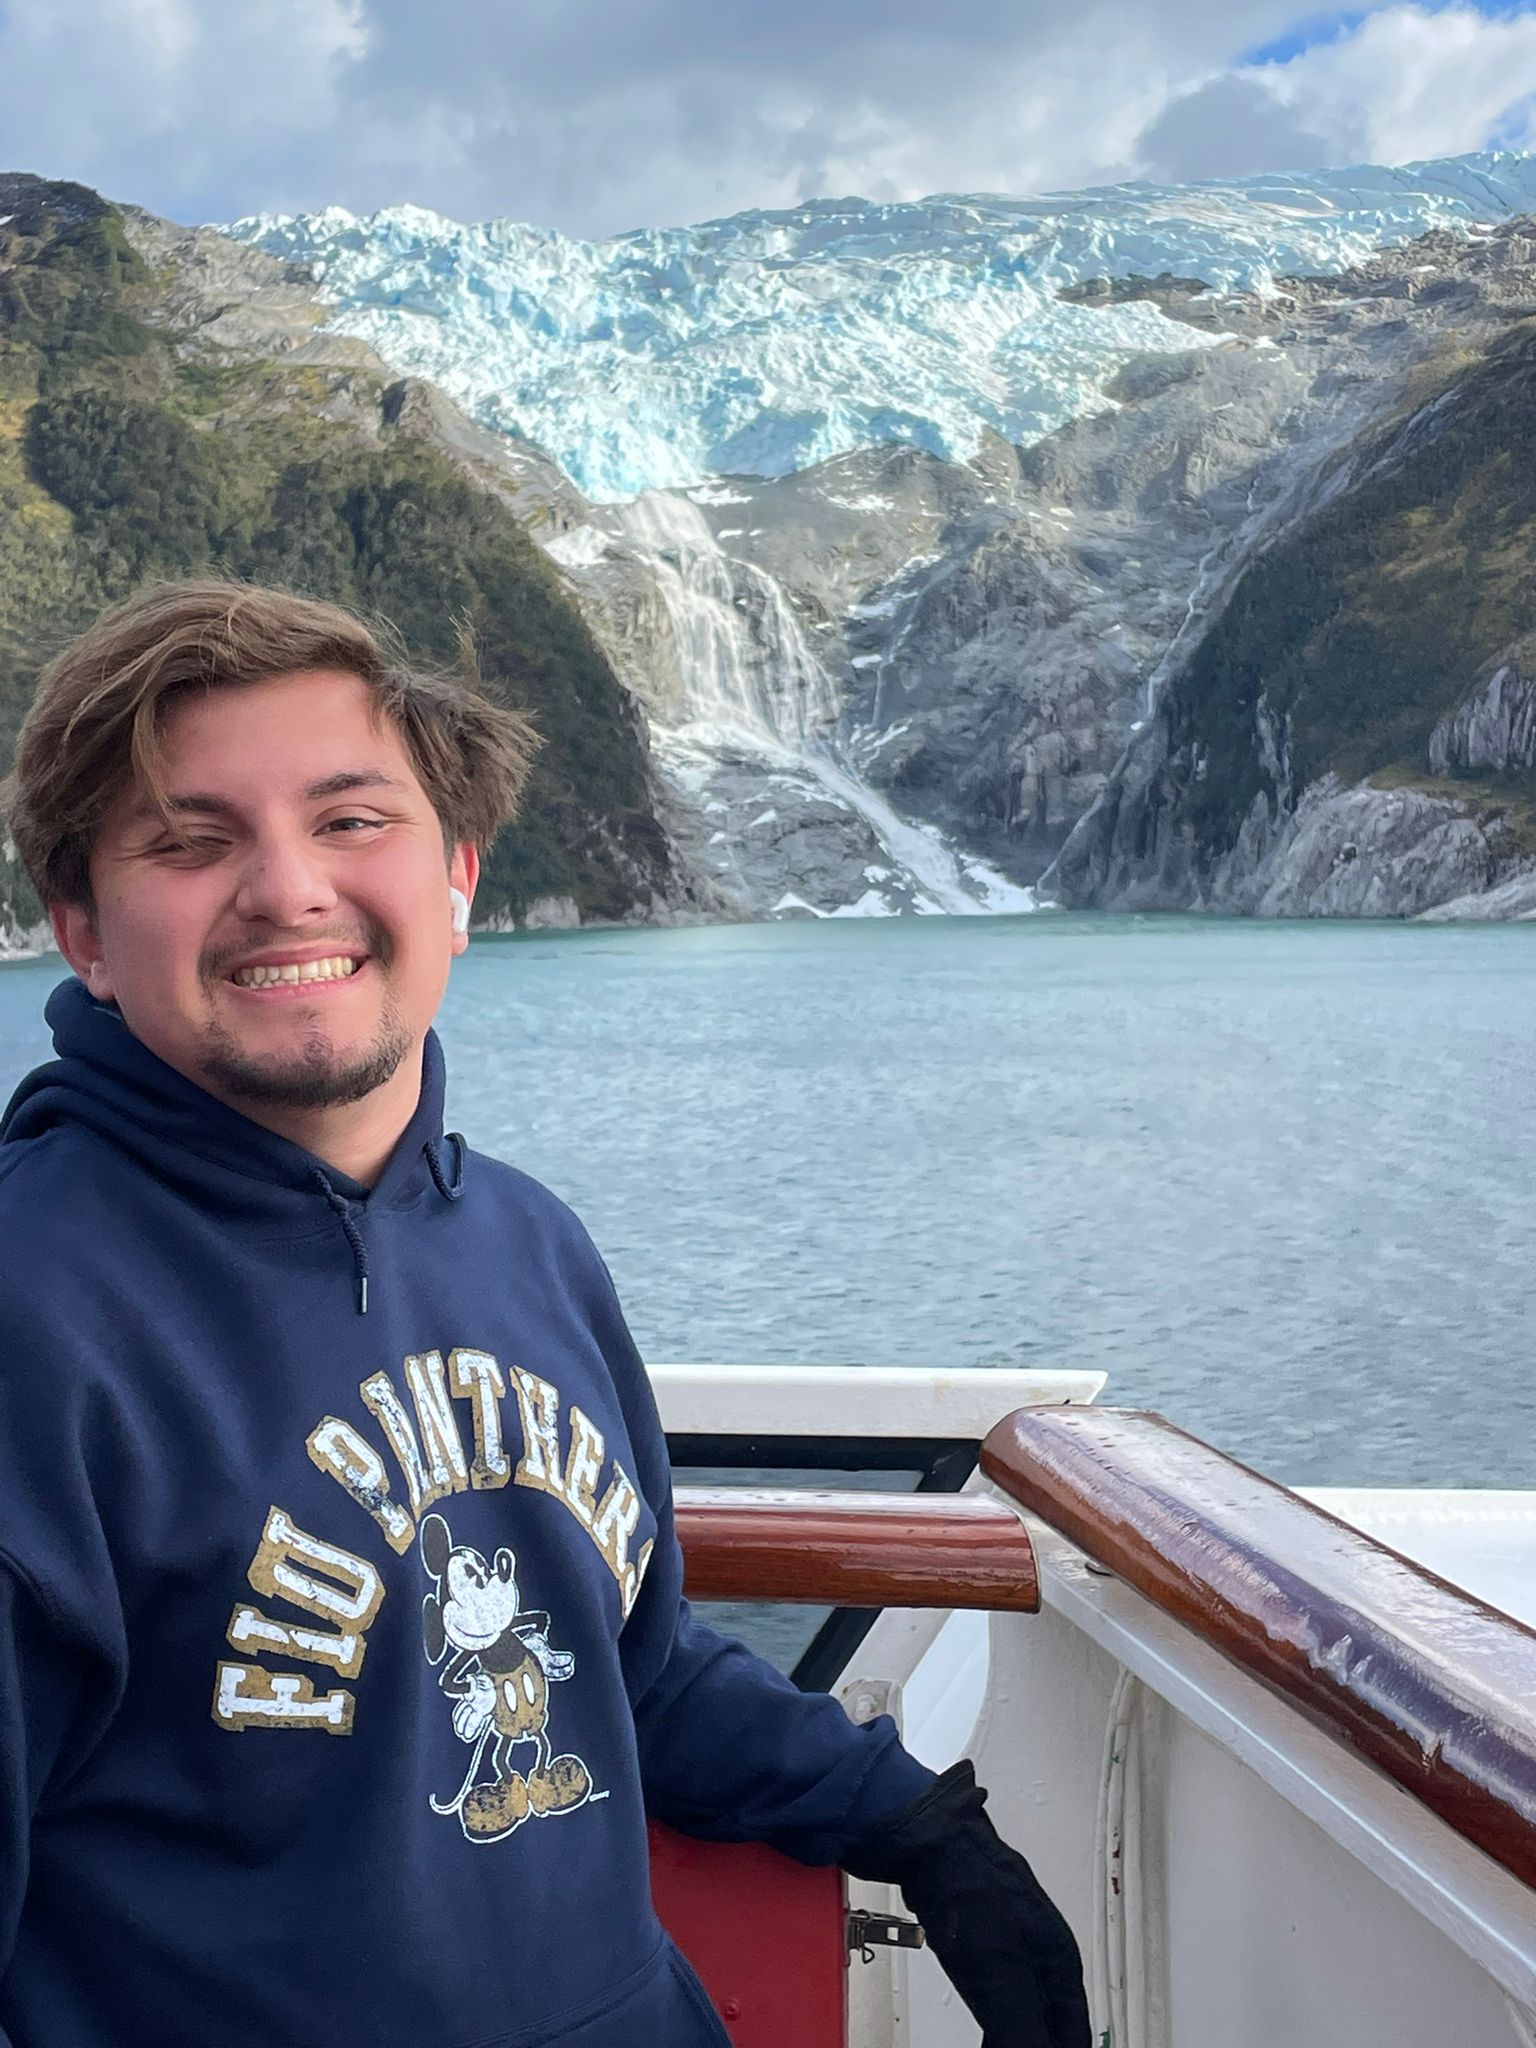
point(859, 1549)
point(1281, 1777)
point(1431, 1685)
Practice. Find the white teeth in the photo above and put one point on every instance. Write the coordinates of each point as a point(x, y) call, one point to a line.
point(336, 969)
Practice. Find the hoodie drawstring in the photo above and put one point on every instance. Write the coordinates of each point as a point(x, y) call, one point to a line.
point(450, 1190)
point(343, 1210)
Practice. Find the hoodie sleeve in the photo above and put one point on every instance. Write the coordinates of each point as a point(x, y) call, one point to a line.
point(730, 1749)
point(47, 1689)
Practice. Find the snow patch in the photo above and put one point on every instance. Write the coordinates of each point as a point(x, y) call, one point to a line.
point(870, 904)
point(872, 746)
point(582, 548)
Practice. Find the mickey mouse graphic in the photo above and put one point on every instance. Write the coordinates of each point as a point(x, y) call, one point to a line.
point(500, 1674)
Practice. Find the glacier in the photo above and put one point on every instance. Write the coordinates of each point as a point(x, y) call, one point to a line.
point(768, 342)
point(802, 525)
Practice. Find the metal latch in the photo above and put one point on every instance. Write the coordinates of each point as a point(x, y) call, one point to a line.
point(869, 1931)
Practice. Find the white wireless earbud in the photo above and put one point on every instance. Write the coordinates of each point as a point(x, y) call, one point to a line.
point(460, 904)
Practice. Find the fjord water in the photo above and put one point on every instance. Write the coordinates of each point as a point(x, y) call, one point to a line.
point(1274, 1178)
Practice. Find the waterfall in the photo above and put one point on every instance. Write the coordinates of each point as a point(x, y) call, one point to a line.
point(749, 674)
point(753, 684)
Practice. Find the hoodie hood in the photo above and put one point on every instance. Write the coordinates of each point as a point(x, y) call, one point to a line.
point(111, 1083)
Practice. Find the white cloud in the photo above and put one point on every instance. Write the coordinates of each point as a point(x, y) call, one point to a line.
point(147, 99)
point(1415, 81)
point(597, 115)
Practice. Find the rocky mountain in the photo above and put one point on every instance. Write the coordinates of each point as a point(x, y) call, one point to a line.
point(1351, 731)
point(1159, 548)
point(987, 638)
point(912, 528)
point(173, 403)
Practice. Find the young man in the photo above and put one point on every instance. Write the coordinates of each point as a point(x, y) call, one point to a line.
point(342, 1645)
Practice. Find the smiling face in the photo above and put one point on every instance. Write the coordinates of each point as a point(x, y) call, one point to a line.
point(286, 942)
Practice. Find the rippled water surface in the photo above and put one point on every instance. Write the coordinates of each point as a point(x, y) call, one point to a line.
point(1274, 1179)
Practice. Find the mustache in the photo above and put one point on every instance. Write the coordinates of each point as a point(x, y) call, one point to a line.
point(375, 942)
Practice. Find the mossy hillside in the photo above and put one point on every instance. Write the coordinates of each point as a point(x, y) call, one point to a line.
point(66, 271)
point(120, 464)
point(1371, 621)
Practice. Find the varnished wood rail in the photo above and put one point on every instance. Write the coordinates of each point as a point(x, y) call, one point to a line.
point(1431, 1685)
point(855, 1549)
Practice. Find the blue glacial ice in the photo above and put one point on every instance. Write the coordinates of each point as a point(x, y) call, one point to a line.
point(770, 341)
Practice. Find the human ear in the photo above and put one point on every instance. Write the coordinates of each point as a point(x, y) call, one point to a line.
point(75, 935)
point(463, 874)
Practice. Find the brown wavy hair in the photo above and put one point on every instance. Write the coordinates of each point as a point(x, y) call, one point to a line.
point(96, 720)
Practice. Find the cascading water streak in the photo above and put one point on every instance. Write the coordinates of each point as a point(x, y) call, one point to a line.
point(754, 684)
point(748, 672)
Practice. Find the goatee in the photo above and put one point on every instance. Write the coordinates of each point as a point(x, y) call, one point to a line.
point(314, 1077)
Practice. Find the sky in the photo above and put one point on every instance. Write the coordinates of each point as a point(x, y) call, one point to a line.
point(597, 116)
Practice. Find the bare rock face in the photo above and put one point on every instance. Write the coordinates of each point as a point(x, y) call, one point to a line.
point(238, 302)
point(1366, 852)
point(1396, 792)
point(777, 841)
point(1514, 900)
point(1493, 728)
point(1338, 852)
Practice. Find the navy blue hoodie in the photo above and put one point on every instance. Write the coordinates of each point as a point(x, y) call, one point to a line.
point(342, 1644)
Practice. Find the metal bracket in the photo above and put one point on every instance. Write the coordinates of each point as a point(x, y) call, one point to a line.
point(865, 1699)
point(870, 1931)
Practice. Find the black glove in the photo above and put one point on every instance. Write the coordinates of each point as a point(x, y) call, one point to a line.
point(1003, 1945)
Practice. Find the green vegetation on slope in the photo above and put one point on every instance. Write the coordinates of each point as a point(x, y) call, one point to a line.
point(62, 291)
point(122, 460)
point(1370, 622)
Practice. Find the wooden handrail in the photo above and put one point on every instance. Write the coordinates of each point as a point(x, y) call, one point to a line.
point(1431, 1685)
point(855, 1549)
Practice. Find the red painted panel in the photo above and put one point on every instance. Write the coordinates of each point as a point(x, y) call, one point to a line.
point(767, 1937)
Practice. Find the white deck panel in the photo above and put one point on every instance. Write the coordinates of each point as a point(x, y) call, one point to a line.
point(862, 1400)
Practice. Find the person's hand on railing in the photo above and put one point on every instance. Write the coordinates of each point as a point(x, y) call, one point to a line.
point(1003, 1945)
